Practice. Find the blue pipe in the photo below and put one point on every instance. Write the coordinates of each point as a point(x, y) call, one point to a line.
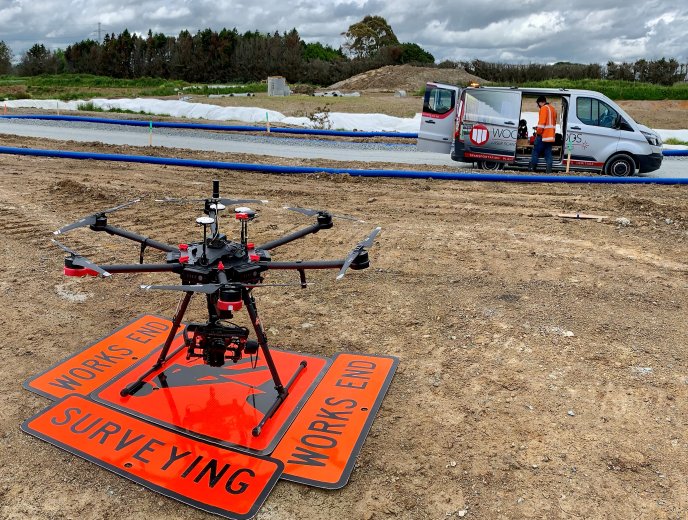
point(405, 174)
point(225, 128)
point(245, 128)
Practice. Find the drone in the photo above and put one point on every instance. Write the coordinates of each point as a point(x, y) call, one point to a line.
point(226, 272)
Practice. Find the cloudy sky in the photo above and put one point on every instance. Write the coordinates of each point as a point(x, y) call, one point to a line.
point(586, 31)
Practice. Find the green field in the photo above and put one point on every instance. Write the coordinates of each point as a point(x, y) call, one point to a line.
point(85, 86)
point(627, 90)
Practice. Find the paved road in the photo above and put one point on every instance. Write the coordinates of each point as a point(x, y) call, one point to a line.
point(197, 141)
point(132, 136)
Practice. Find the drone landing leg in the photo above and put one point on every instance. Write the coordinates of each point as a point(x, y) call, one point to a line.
point(135, 386)
point(282, 391)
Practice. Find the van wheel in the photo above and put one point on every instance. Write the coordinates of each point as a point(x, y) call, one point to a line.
point(490, 165)
point(621, 165)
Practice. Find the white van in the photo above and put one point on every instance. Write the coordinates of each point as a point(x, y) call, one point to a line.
point(593, 133)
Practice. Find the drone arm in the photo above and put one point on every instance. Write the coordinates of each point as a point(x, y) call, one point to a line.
point(149, 242)
point(301, 265)
point(143, 268)
point(292, 236)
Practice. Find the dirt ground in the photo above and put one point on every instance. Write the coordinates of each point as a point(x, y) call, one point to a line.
point(404, 77)
point(543, 370)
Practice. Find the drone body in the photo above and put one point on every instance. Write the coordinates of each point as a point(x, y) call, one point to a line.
point(226, 271)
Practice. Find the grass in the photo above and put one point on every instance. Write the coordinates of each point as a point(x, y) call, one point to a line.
point(90, 107)
point(674, 140)
point(248, 88)
point(613, 89)
point(626, 90)
point(67, 87)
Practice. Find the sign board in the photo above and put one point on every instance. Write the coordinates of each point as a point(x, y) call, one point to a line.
point(320, 447)
point(217, 404)
point(208, 477)
point(95, 365)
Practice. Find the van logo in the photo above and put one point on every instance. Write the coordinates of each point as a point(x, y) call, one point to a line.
point(479, 135)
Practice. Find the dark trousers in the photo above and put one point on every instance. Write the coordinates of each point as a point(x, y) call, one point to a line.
point(540, 147)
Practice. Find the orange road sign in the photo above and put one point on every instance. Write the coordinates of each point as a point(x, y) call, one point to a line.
point(95, 365)
point(320, 447)
point(218, 404)
point(208, 477)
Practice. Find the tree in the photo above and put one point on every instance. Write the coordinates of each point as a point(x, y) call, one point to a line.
point(365, 38)
point(413, 53)
point(318, 51)
point(37, 60)
point(5, 58)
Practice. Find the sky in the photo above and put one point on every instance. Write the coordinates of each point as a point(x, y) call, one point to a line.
point(524, 31)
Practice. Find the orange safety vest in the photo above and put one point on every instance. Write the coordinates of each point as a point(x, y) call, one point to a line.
point(547, 123)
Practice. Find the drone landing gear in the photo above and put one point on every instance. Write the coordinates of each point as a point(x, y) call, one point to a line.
point(215, 342)
point(135, 386)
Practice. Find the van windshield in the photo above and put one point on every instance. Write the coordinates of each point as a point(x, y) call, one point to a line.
point(485, 106)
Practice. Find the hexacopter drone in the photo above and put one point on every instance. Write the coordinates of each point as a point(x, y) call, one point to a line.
point(226, 271)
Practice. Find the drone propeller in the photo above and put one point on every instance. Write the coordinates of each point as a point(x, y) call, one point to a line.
point(313, 212)
point(91, 219)
point(226, 202)
point(80, 261)
point(210, 288)
point(358, 250)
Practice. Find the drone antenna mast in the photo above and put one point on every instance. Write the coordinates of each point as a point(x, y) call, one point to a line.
point(205, 222)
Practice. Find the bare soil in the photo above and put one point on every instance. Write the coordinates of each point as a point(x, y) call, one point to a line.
point(405, 77)
point(543, 370)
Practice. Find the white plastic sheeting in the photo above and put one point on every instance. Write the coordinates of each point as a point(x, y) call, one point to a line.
point(184, 109)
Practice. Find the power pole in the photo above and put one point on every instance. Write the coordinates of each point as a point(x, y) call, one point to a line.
point(99, 39)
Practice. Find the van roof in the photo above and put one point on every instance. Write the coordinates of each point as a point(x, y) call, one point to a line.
point(536, 90)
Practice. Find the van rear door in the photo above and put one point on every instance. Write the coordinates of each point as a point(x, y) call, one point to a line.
point(439, 114)
point(488, 125)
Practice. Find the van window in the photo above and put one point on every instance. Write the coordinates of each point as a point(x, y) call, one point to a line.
point(439, 100)
point(485, 106)
point(595, 112)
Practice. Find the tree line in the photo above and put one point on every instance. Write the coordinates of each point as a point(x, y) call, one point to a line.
point(227, 55)
point(659, 72)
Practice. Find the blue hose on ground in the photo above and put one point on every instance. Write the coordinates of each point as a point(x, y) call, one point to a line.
point(244, 128)
point(405, 174)
point(224, 128)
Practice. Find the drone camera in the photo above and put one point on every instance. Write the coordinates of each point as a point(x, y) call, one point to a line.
point(216, 342)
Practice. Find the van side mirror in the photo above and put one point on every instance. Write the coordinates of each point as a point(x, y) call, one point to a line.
point(621, 124)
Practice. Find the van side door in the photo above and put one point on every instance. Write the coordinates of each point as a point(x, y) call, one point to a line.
point(488, 125)
point(437, 121)
point(591, 132)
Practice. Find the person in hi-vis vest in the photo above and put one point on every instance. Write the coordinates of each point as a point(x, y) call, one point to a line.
point(544, 138)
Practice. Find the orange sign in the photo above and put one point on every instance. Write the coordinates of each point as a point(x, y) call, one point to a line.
point(321, 446)
point(87, 370)
point(219, 404)
point(208, 477)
